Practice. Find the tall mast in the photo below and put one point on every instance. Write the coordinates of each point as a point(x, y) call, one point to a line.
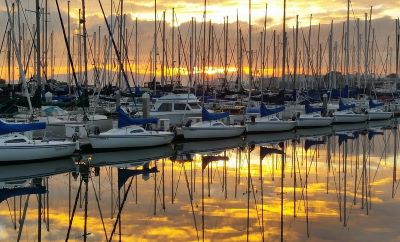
point(347, 59)
point(366, 50)
point(295, 51)
point(358, 53)
point(155, 47)
point(38, 61)
point(284, 41)
point(250, 54)
point(85, 61)
point(330, 55)
point(69, 46)
point(45, 39)
point(264, 39)
point(238, 40)
point(173, 47)
point(204, 47)
point(136, 52)
point(163, 50)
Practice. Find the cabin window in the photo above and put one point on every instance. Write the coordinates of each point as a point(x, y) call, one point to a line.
point(180, 106)
point(217, 124)
point(194, 105)
point(165, 107)
point(15, 141)
point(136, 131)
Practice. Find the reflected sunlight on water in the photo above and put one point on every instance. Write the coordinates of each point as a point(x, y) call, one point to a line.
point(314, 185)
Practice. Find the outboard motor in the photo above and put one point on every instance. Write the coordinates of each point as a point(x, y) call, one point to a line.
point(330, 114)
point(188, 123)
point(253, 119)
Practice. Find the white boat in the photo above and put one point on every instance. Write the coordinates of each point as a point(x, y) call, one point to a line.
point(130, 135)
point(211, 128)
point(346, 115)
point(56, 118)
point(313, 118)
point(376, 112)
point(15, 146)
point(269, 122)
point(178, 108)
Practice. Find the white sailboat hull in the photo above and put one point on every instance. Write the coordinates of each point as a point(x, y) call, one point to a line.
point(212, 132)
point(350, 118)
point(307, 122)
point(379, 115)
point(130, 141)
point(269, 126)
point(36, 151)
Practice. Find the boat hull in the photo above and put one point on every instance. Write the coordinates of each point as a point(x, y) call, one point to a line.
point(269, 126)
point(212, 132)
point(350, 118)
point(314, 122)
point(31, 152)
point(129, 141)
point(379, 115)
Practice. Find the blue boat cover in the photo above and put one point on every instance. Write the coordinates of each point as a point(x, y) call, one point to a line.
point(308, 143)
point(124, 119)
point(343, 106)
point(264, 111)
point(264, 151)
point(372, 133)
point(6, 193)
point(6, 128)
point(207, 116)
point(373, 104)
point(253, 110)
point(311, 109)
point(125, 174)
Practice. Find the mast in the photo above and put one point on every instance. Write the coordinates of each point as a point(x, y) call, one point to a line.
point(85, 61)
point(358, 53)
point(347, 59)
point(330, 55)
point(204, 48)
point(18, 54)
point(295, 52)
point(155, 48)
point(264, 39)
point(284, 41)
point(45, 39)
point(38, 61)
point(238, 51)
point(69, 46)
point(173, 47)
point(250, 54)
point(136, 52)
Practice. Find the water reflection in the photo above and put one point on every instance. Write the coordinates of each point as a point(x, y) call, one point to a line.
point(310, 184)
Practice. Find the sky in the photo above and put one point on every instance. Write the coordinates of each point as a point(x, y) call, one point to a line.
point(323, 12)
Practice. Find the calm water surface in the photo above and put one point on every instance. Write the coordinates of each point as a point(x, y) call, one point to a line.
point(310, 185)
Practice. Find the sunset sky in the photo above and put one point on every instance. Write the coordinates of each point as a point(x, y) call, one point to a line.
point(383, 15)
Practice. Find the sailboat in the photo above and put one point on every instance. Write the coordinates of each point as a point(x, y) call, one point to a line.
point(129, 134)
point(376, 112)
point(269, 122)
point(313, 118)
point(15, 146)
point(345, 115)
point(211, 128)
